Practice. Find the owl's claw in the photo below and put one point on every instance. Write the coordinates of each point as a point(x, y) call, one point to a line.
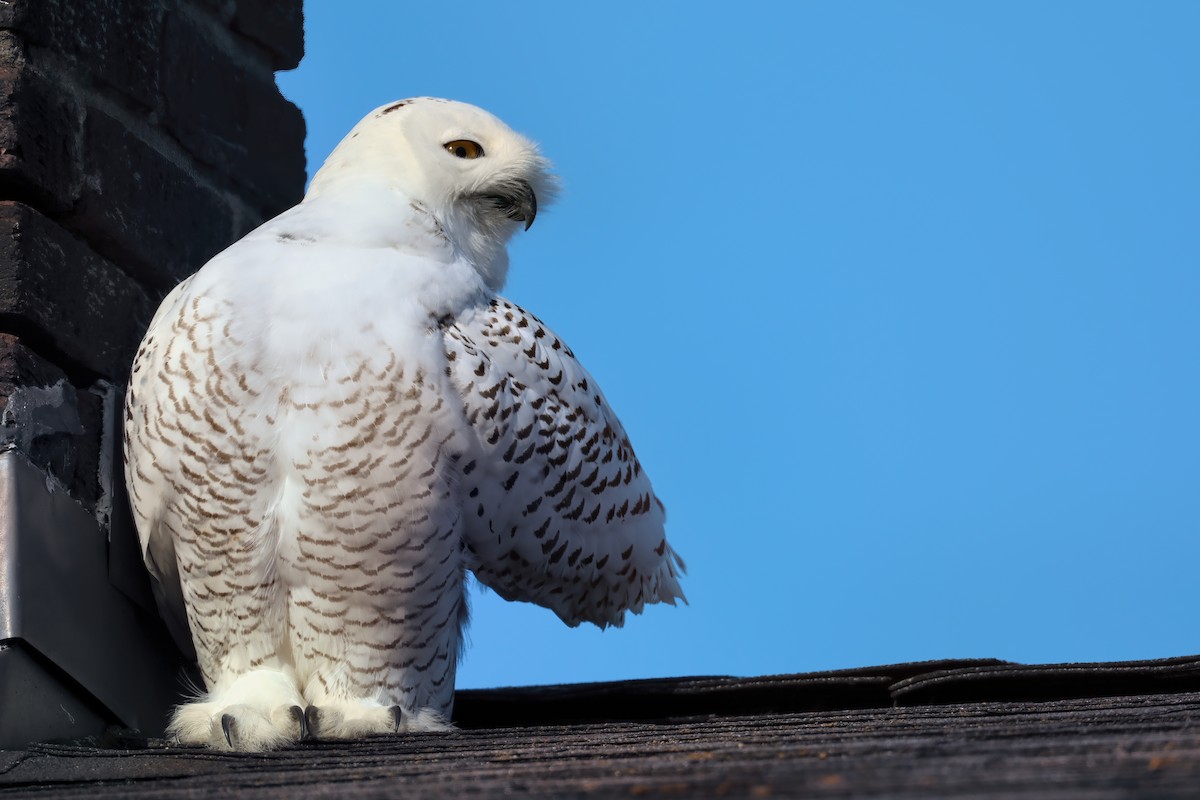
point(397, 717)
point(298, 714)
point(228, 725)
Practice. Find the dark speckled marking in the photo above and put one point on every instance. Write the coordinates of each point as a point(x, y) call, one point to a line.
point(291, 237)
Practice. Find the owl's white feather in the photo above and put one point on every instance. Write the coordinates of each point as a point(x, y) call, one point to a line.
point(335, 417)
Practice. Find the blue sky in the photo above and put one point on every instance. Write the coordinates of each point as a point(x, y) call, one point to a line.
point(899, 303)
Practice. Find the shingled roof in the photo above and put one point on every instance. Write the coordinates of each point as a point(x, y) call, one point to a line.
point(979, 728)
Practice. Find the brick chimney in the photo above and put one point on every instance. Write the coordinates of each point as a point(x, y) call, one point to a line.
point(137, 139)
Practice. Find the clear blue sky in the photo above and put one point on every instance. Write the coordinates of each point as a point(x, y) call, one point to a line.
point(899, 303)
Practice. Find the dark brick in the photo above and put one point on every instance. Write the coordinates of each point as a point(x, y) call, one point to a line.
point(142, 210)
point(278, 25)
point(39, 132)
point(223, 9)
point(232, 119)
point(115, 42)
point(44, 416)
point(54, 288)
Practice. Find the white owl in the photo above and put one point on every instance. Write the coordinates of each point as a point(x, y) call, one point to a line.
point(336, 417)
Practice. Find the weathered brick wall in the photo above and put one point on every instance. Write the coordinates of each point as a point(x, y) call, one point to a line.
point(137, 139)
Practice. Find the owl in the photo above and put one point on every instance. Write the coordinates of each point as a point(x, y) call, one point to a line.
point(337, 417)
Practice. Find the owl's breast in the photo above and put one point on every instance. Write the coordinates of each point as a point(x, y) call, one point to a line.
point(364, 456)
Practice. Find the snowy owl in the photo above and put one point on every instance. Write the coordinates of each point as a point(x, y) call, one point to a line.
point(336, 417)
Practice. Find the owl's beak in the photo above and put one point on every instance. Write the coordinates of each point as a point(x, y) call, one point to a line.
point(516, 200)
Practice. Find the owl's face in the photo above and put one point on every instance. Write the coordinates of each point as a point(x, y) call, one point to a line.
point(480, 179)
point(467, 157)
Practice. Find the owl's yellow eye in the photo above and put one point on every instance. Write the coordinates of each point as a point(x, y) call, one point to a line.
point(464, 148)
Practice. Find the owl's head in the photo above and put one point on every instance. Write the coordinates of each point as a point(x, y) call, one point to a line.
point(478, 178)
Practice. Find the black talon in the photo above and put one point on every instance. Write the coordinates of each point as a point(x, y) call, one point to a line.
point(397, 717)
point(227, 725)
point(298, 714)
point(312, 720)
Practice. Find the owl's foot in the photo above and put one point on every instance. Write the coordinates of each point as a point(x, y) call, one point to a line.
point(355, 718)
point(258, 711)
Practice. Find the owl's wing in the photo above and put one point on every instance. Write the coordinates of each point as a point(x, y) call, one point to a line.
point(558, 510)
point(144, 478)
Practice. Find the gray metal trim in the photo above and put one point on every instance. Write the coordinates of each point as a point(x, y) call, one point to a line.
point(56, 596)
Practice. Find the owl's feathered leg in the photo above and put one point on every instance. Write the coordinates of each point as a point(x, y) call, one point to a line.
point(386, 664)
point(236, 613)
